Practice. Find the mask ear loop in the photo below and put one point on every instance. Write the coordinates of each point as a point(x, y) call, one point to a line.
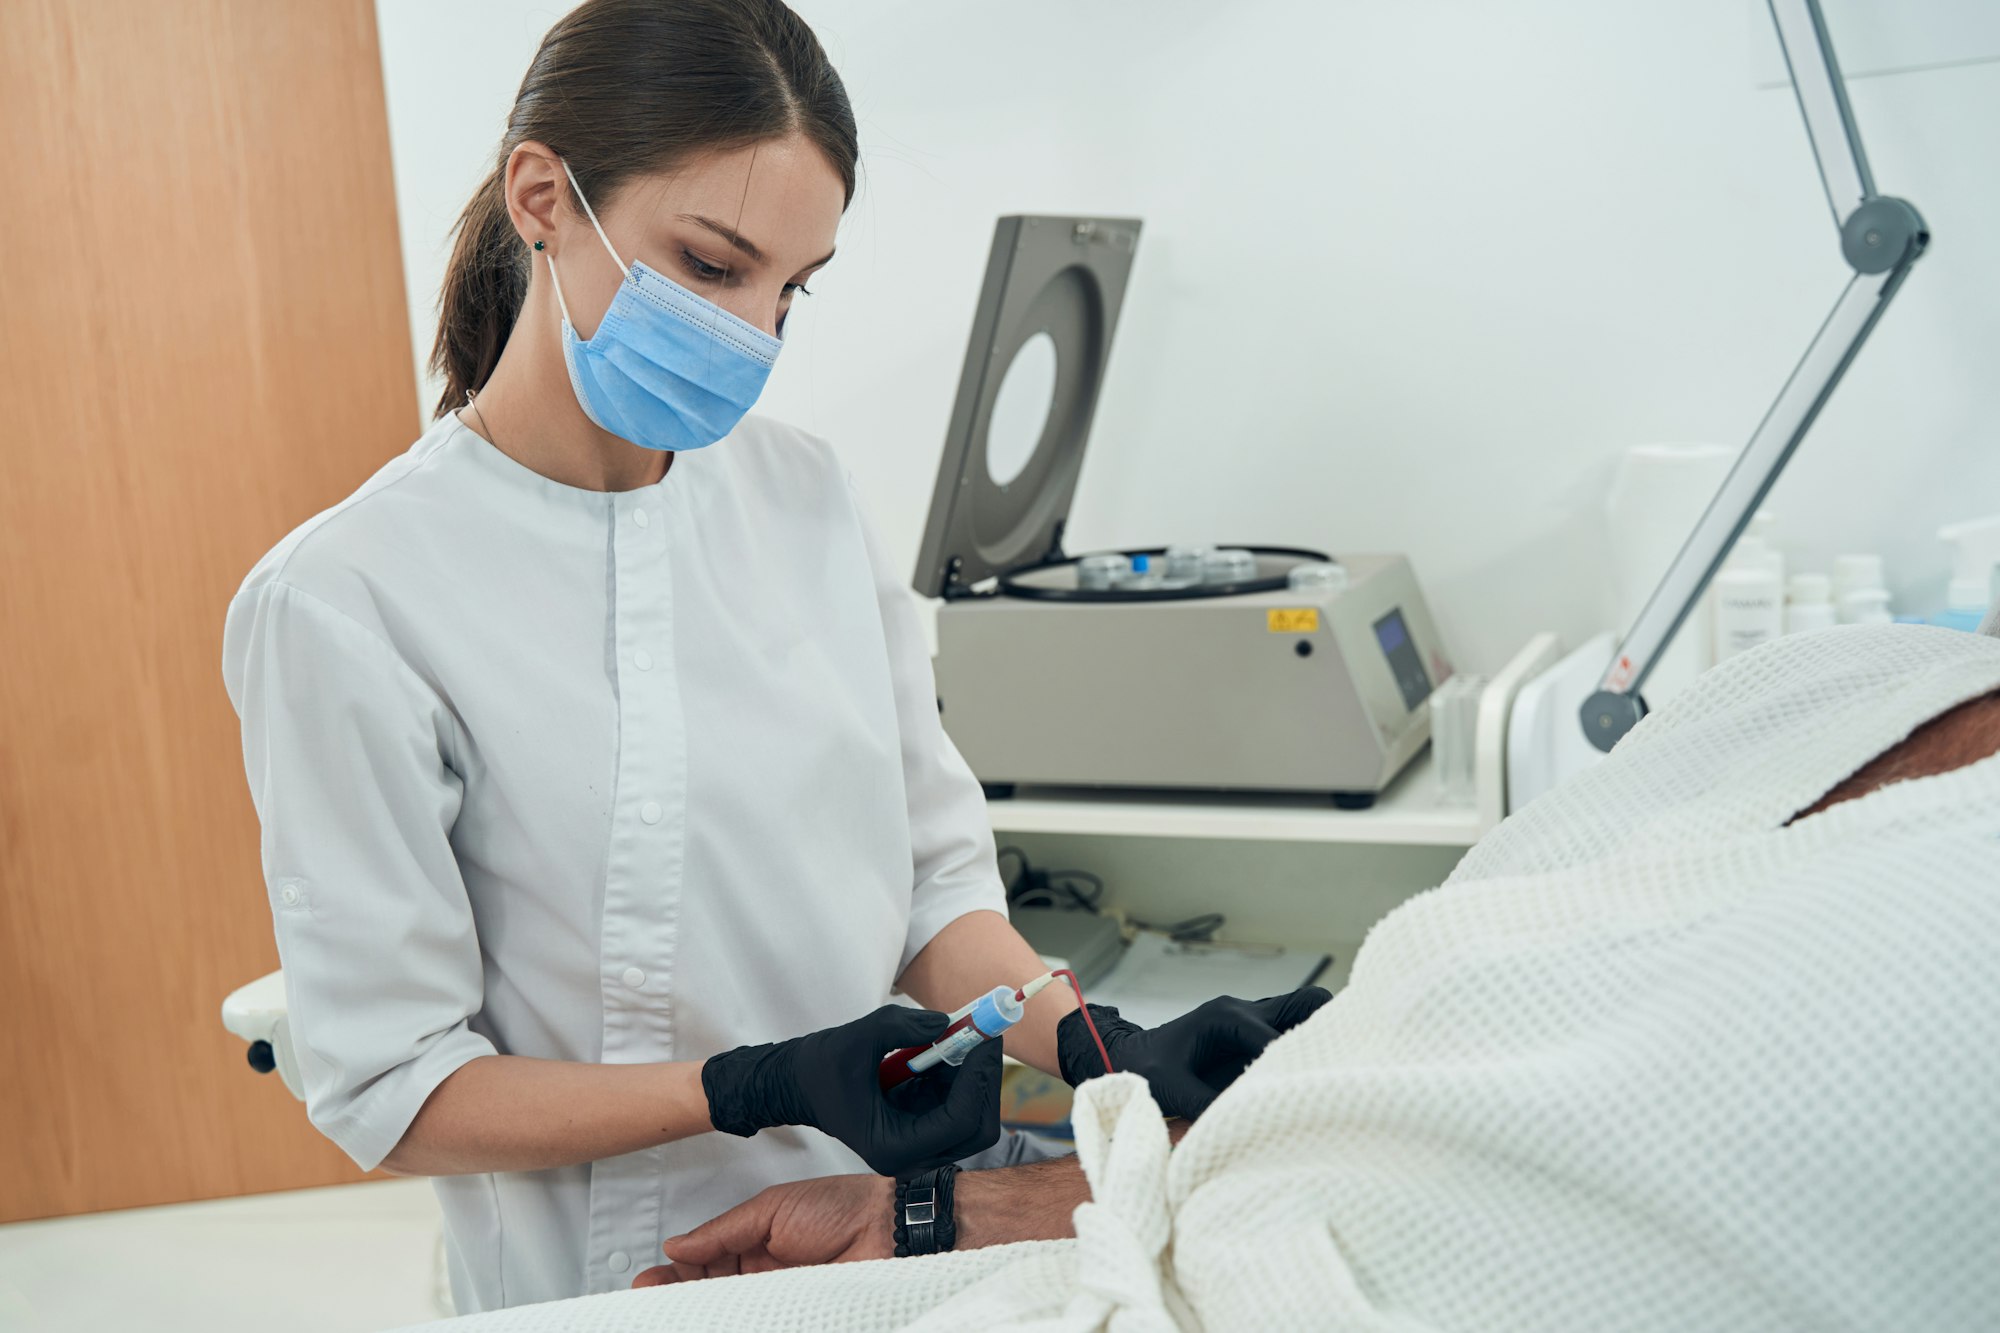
point(595, 226)
point(560, 303)
point(591, 213)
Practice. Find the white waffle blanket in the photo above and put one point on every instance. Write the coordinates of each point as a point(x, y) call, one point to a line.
point(1650, 1060)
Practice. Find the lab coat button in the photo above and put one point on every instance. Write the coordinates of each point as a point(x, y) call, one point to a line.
point(290, 895)
point(641, 517)
point(634, 978)
point(643, 660)
point(650, 812)
point(619, 1261)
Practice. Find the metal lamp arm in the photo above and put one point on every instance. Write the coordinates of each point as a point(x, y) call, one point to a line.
point(1822, 94)
point(1881, 237)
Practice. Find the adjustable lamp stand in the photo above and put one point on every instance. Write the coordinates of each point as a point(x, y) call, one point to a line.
point(1881, 238)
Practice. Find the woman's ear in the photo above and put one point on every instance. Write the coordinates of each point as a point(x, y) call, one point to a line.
point(535, 188)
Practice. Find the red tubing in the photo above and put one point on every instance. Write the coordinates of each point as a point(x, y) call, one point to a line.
point(1084, 1009)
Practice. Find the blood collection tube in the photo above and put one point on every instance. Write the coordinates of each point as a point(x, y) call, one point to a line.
point(982, 1020)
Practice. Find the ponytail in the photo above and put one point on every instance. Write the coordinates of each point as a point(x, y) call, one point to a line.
point(484, 286)
point(621, 87)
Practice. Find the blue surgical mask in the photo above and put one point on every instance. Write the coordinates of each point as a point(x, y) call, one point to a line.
point(665, 369)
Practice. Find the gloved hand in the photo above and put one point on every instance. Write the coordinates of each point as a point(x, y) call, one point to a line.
point(827, 1080)
point(1189, 1061)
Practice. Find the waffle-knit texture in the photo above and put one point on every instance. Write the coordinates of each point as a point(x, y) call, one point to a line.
point(1651, 1059)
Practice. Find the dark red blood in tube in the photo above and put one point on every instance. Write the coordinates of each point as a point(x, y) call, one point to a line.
point(895, 1067)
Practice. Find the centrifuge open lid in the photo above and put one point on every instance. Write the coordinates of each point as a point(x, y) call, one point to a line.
point(1041, 336)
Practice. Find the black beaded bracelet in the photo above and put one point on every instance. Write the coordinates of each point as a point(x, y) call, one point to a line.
point(923, 1222)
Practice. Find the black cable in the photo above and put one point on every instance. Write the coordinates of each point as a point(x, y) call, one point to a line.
point(1011, 884)
point(1195, 930)
point(1030, 887)
point(1065, 882)
point(1080, 890)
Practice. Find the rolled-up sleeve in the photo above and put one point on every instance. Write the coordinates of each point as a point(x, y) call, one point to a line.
point(951, 839)
point(349, 754)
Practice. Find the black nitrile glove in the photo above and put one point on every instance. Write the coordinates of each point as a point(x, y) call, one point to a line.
point(828, 1080)
point(1189, 1061)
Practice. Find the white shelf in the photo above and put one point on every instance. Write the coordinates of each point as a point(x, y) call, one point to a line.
point(1407, 814)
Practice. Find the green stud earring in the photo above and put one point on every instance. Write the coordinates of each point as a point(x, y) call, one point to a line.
point(538, 245)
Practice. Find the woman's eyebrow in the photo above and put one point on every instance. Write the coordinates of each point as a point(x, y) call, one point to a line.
point(737, 239)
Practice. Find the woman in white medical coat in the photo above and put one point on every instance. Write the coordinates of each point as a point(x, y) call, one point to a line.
point(595, 764)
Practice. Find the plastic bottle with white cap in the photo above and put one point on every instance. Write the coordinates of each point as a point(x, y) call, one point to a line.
point(1975, 551)
point(1854, 574)
point(1749, 598)
point(1866, 606)
point(1809, 604)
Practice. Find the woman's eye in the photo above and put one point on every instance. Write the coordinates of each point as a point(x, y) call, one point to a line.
point(700, 267)
point(796, 287)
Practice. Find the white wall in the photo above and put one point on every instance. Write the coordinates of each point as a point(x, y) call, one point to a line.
point(1413, 272)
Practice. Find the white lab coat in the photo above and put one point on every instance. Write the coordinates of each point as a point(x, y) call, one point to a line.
point(583, 776)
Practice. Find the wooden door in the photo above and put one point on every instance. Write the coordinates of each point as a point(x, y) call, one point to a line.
point(202, 342)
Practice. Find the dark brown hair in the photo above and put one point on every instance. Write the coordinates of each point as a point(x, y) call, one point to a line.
point(623, 88)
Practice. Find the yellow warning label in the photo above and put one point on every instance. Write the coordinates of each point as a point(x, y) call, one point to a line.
point(1293, 620)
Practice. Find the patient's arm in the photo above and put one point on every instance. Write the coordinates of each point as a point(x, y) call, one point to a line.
point(1032, 1202)
point(837, 1219)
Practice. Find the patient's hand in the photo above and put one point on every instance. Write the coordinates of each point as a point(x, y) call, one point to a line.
point(826, 1221)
